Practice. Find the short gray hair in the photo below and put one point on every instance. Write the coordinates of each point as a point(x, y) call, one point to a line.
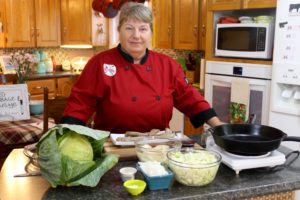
point(136, 11)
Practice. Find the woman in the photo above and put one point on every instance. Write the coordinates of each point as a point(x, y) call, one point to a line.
point(131, 88)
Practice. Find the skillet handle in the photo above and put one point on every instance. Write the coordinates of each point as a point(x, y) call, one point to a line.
point(292, 138)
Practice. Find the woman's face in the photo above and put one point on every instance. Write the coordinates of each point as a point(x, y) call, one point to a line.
point(135, 37)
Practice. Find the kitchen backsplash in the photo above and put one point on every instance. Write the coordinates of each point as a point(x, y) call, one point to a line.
point(61, 54)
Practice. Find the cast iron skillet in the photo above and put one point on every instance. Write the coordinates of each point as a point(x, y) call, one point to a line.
point(249, 139)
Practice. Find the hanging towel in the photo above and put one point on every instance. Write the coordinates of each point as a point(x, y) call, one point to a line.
point(239, 101)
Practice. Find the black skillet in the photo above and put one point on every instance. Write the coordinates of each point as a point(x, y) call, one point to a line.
point(249, 139)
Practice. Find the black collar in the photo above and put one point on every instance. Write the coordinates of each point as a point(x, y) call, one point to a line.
point(129, 58)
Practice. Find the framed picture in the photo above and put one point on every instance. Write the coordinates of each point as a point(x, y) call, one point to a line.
point(7, 68)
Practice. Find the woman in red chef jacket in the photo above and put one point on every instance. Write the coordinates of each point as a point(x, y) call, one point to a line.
point(131, 88)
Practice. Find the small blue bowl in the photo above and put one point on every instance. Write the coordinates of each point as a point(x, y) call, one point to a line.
point(36, 107)
point(158, 182)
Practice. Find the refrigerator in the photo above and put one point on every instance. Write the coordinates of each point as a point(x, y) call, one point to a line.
point(285, 85)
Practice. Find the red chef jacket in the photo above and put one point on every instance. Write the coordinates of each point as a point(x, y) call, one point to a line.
point(134, 97)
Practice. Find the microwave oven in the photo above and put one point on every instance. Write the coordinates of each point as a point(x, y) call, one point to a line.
point(251, 40)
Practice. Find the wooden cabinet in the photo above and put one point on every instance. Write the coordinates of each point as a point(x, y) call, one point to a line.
point(47, 14)
point(176, 24)
point(162, 11)
point(189, 128)
point(240, 4)
point(60, 86)
point(35, 88)
point(247, 4)
point(186, 24)
point(76, 22)
point(31, 23)
point(64, 85)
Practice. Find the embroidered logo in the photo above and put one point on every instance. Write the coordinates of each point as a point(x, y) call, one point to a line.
point(186, 80)
point(109, 70)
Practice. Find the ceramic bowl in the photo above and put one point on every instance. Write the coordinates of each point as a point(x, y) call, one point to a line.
point(135, 187)
point(36, 107)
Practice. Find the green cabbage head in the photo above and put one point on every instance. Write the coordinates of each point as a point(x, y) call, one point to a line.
point(72, 155)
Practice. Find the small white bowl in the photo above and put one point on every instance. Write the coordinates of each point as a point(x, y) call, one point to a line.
point(127, 173)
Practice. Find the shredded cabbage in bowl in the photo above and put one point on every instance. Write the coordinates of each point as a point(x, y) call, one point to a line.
point(194, 167)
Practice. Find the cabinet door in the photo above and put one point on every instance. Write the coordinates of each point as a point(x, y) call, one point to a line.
point(259, 4)
point(162, 11)
point(224, 4)
point(186, 21)
point(64, 85)
point(202, 25)
point(35, 88)
point(76, 22)
point(20, 23)
point(47, 22)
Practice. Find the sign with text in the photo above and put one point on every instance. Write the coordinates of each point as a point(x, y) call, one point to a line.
point(14, 103)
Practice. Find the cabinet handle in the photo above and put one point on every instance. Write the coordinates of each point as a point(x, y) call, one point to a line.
point(32, 32)
point(195, 30)
point(203, 30)
point(37, 32)
point(169, 30)
point(65, 30)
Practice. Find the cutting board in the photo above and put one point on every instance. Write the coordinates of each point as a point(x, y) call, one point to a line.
point(124, 152)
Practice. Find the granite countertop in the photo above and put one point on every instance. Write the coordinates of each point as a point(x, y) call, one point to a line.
point(227, 185)
point(56, 74)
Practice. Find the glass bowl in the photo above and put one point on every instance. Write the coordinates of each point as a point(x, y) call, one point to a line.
point(155, 149)
point(194, 167)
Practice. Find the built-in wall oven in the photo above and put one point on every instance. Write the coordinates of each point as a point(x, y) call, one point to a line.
point(218, 80)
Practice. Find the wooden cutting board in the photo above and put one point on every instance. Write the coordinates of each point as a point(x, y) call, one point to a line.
point(124, 152)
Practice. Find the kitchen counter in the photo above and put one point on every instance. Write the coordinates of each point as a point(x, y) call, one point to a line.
point(56, 74)
point(227, 185)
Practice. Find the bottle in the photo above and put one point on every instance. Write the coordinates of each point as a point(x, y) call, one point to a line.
point(41, 67)
point(49, 65)
point(53, 63)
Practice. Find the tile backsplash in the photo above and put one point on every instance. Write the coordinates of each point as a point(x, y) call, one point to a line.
point(61, 54)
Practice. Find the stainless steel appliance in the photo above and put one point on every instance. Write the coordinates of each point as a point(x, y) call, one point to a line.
point(218, 79)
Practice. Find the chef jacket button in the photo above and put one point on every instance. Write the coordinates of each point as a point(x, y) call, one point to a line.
point(157, 98)
point(127, 67)
point(149, 68)
point(134, 98)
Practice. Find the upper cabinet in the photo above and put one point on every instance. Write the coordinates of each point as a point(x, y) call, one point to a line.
point(240, 4)
point(177, 24)
point(162, 11)
point(47, 14)
point(186, 24)
point(31, 23)
point(76, 18)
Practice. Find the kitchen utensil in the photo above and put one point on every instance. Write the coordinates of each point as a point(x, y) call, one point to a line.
point(249, 139)
point(135, 187)
point(28, 174)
